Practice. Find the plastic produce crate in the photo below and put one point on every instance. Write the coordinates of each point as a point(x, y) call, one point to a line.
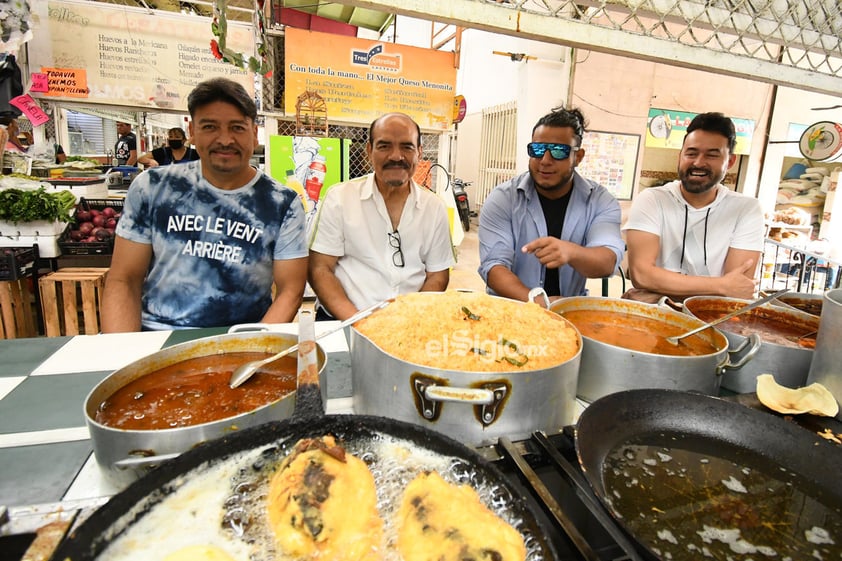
point(101, 247)
point(17, 262)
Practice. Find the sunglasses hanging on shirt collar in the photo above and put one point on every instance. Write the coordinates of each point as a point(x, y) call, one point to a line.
point(557, 151)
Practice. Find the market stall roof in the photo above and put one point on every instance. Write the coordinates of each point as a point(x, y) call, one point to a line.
point(361, 17)
point(241, 10)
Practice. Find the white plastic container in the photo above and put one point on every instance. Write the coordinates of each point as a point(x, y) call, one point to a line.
point(34, 228)
point(47, 245)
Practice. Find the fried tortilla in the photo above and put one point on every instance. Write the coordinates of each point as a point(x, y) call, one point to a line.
point(322, 504)
point(815, 398)
point(439, 521)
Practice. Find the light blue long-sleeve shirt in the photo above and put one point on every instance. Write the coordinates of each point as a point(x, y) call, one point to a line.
point(512, 217)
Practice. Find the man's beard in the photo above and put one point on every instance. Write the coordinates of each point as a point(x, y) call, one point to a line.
point(565, 179)
point(396, 182)
point(697, 185)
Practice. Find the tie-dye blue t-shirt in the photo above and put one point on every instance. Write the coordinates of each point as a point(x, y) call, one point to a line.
point(212, 249)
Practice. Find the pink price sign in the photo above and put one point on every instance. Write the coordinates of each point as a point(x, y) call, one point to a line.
point(40, 82)
point(31, 109)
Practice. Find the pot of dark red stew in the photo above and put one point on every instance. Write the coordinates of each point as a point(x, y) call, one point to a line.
point(165, 403)
point(788, 339)
point(692, 476)
point(317, 486)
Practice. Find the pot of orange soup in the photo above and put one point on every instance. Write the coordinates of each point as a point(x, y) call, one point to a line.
point(168, 402)
point(624, 347)
point(788, 339)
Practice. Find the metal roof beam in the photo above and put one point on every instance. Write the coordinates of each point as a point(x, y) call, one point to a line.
point(495, 18)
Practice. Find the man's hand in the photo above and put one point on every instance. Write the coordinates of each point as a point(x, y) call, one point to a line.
point(739, 283)
point(552, 252)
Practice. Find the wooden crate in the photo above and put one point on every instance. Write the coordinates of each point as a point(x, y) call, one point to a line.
point(71, 294)
point(16, 318)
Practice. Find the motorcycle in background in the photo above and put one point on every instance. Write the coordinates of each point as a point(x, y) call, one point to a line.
point(462, 203)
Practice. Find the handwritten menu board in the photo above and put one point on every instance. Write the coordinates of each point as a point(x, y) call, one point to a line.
point(117, 55)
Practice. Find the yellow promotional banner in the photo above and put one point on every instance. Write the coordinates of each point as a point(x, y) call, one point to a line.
point(361, 79)
point(118, 55)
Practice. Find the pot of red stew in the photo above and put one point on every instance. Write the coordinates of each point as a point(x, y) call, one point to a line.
point(624, 347)
point(166, 403)
point(788, 338)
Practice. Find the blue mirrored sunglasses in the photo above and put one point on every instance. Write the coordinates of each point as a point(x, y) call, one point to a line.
point(557, 151)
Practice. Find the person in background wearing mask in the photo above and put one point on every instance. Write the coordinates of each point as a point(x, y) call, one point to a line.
point(695, 236)
point(550, 227)
point(175, 152)
point(125, 149)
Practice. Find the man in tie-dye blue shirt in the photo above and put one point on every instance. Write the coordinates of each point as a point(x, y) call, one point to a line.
point(201, 244)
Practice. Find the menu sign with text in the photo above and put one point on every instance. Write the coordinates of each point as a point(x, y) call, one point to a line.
point(118, 55)
point(361, 79)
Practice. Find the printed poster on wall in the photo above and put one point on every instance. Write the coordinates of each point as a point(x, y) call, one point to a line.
point(117, 55)
point(361, 79)
point(666, 129)
point(611, 161)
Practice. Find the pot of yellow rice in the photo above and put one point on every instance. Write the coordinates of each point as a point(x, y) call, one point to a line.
point(472, 366)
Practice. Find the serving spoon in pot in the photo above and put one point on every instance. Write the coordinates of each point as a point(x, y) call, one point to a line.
point(757, 303)
point(245, 371)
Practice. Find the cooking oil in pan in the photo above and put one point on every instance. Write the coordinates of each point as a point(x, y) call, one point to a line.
point(221, 505)
point(394, 463)
point(684, 501)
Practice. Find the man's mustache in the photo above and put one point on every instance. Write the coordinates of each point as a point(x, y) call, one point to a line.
point(402, 165)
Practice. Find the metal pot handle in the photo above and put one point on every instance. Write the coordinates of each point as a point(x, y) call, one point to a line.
point(667, 302)
point(241, 327)
point(754, 341)
point(472, 396)
point(539, 291)
point(134, 462)
point(487, 401)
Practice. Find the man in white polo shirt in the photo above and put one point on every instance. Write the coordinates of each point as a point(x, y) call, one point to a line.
point(694, 236)
point(382, 234)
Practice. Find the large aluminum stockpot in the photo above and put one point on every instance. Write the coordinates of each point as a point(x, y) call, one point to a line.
point(125, 455)
point(810, 303)
point(475, 408)
point(608, 368)
point(788, 363)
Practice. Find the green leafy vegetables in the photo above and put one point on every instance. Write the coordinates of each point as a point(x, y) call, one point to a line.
point(18, 205)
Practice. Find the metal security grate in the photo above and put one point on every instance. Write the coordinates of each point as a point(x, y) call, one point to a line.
point(498, 147)
point(789, 42)
point(358, 161)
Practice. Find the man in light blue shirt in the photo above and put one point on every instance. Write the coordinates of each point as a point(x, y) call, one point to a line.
point(549, 227)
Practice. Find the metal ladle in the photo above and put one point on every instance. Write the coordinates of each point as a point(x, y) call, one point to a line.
point(757, 303)
point(245, 371)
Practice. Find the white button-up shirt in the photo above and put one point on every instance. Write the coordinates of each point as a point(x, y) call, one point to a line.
point(354, 225)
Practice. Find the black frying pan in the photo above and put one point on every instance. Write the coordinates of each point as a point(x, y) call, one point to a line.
point(682, 471)
point(91, 537)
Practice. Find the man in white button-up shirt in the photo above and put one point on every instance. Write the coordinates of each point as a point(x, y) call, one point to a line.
point(383, 234)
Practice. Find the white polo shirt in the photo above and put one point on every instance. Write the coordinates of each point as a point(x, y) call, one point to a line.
point(353, 225)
